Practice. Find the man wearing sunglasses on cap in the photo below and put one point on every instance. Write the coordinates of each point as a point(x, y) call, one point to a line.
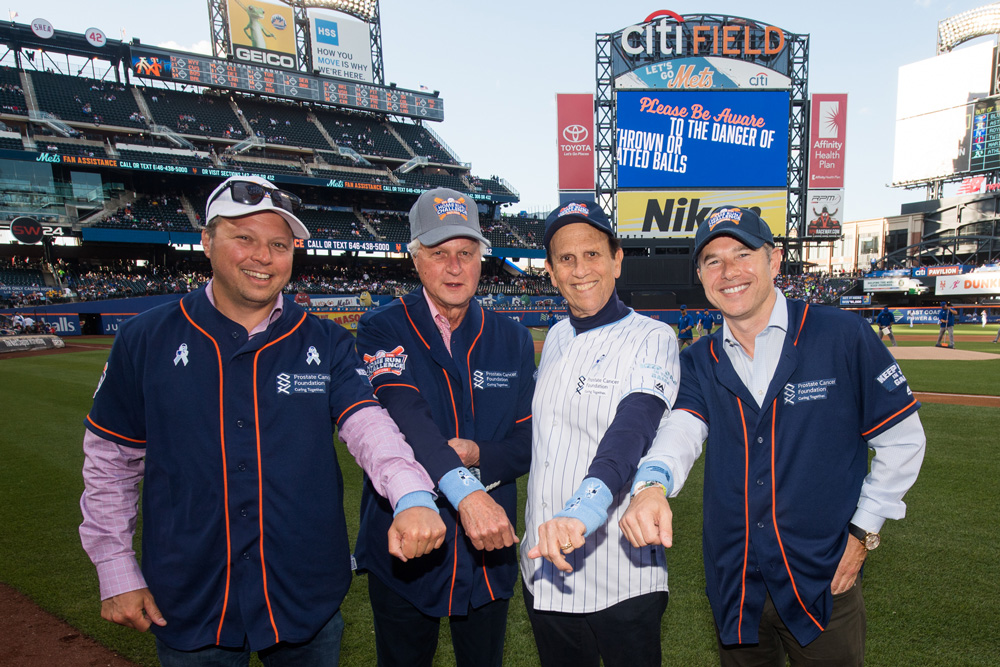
point(225, 403)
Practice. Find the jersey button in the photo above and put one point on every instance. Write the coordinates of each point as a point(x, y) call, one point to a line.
point(242, 467)
point(243, 512)
point(246, 556)
point(760, 482)
point(236, 334)
point(239, 422)
point(759, 440)
point(760, 524)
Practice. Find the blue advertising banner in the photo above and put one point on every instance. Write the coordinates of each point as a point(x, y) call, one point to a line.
point(110, 321)
point(65, 324)
point(702, 138)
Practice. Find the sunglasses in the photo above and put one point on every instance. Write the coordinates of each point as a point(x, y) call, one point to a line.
point(251, 194)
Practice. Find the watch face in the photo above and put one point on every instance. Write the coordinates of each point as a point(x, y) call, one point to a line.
point(872, 540)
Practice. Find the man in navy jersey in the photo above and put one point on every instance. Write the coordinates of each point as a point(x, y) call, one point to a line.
point(790, 396)
point(225, 404)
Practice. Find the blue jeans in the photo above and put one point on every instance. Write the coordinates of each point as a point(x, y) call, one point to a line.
point(323, 650)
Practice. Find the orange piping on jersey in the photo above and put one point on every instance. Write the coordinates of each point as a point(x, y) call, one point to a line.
point(112, 432)
point(711, 348)
point(225, 472)
point(890, 417)
point(407, 311)
point(260, 473)
point(348, 409)
point(523, 420)
point(468, 365)
point(801, 324)
point(487, 578)
point(454, 570)
point(774, 518)
point(452, 394)
point(383, 386)
point(746, 520)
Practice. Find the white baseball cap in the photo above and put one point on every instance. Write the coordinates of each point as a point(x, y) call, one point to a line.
point(239, 196)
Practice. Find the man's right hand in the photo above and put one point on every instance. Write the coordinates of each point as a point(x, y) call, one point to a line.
point(648, 519)
point(134, 609)
point(485, 522)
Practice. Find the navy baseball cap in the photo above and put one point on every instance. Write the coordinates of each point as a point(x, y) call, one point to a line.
point(740, 223)
point(576, 211)
point(683, 307)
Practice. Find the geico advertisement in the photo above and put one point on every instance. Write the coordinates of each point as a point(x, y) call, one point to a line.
point(261, 32)
point(702, 139)
point(346, 320)
point(677, 213)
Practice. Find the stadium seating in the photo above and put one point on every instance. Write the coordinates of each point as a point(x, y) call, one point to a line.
point(212, 115)
point(433, 180)
point(282, 123)
point(422, 143)
point(22, 277)
point(83, 100)
point(69, 148)
point(11, 94)
point(160, 213)
point(362, 133)
point(11, 144)
point(334, 224)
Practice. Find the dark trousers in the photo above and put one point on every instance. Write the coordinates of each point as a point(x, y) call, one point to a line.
point(841, 644)
point(323, 650)
point(406, 637)
point(625, 634)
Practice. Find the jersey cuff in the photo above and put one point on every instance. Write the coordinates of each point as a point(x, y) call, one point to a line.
point(415, 499)
point(589, 504)
point(458, 483)
point(867, 521)
point(655, 471)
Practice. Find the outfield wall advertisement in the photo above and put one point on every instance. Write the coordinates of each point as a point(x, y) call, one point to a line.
point(702, 139)
point(677, 213)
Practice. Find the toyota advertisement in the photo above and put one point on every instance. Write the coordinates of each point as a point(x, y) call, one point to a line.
point(702, 139)
point(575, 119)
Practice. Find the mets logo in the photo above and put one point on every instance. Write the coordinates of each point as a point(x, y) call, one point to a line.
point(451, 206)
point(383, 362)
point(732, 214)
point(574, 208)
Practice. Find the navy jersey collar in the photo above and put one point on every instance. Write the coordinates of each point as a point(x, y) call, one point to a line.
point(612, 311)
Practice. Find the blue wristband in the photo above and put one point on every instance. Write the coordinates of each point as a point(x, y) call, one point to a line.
point(589, 504)
point(458, 483)
point(655, 471)
point(415, 499)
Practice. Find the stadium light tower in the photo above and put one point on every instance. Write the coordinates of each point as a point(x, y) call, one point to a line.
point(974, 23)
point(366, 10)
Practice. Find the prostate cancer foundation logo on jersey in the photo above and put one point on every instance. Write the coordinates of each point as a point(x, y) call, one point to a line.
point(451, 206)
point(492, 379)
point(812, 390)
point(302, 383)
point(383, 362)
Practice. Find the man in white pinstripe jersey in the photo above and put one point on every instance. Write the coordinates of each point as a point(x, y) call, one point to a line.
point(606, 378)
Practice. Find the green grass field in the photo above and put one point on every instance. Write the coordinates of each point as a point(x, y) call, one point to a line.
point(932, 589)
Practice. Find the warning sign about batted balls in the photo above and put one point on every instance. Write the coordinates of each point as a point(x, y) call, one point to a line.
point(702, 138)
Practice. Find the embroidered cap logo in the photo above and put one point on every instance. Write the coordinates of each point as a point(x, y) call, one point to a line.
point(451, 206)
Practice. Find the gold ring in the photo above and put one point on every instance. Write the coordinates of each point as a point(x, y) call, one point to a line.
point(567, 547)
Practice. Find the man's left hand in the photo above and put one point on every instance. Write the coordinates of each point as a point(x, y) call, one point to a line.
point(850, 565)
point(415, 532)
point(556, 537)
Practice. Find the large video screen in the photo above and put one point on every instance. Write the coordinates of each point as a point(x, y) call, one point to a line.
point(702, 139)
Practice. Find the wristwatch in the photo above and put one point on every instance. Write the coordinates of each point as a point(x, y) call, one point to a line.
point(870, 541)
